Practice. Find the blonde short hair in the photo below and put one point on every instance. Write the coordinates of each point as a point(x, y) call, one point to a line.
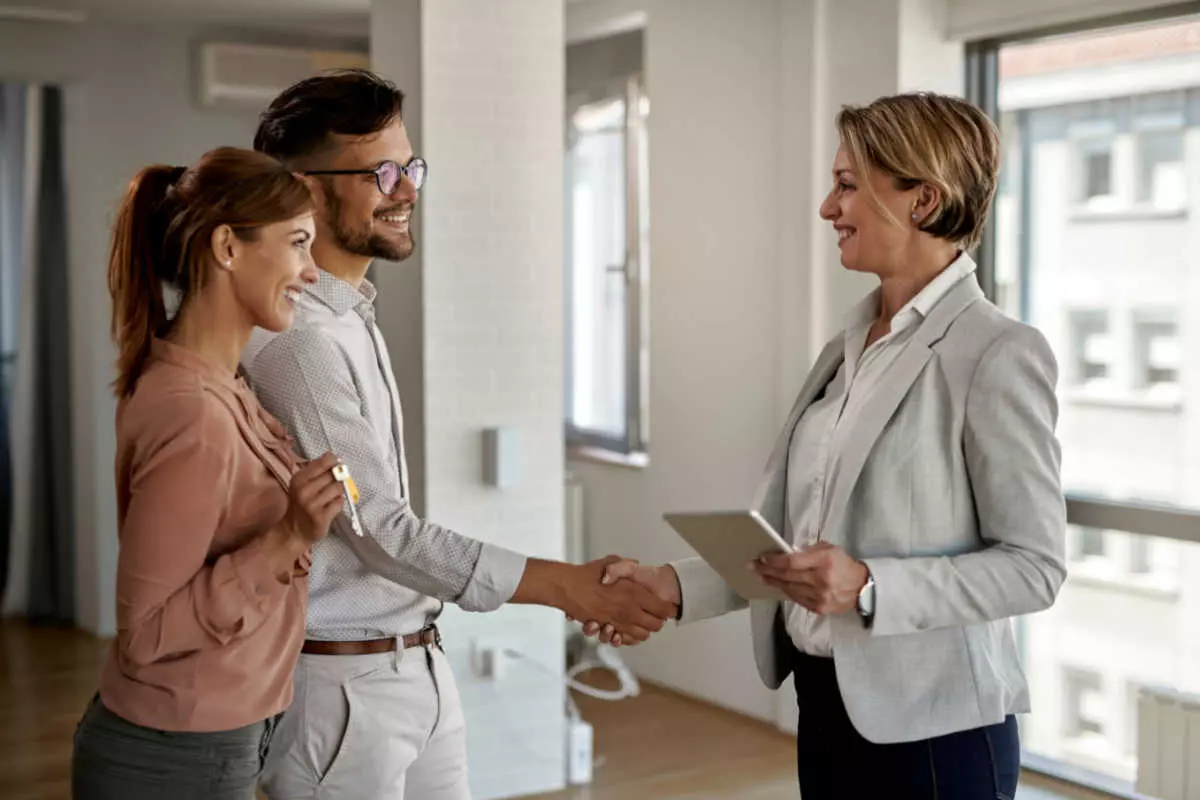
point(934, 139)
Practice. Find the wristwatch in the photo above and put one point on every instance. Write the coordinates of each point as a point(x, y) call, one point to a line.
point(865, 604)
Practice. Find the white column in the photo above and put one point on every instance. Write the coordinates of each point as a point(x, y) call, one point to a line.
point(474, 324)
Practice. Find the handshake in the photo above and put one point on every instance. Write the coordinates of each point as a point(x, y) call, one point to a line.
point(619, 599)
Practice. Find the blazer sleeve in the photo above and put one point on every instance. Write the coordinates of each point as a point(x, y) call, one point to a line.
point(703, 591)
point(1012, 460)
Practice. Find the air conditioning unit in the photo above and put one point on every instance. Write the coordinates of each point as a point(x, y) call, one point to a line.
point(250, 75)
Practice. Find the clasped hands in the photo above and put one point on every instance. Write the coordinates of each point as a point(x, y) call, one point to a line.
point(822, 577)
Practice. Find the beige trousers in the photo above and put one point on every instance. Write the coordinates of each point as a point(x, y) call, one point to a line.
point(376, 727)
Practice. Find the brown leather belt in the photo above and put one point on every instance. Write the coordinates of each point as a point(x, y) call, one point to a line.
point(429, 637)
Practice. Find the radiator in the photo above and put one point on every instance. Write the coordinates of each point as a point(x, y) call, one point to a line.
point(1168, 724)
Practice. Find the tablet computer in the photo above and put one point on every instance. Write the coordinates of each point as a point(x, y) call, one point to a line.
point(728, 541)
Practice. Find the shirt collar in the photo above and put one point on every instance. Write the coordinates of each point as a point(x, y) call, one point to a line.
point(864, 313)
point(340, 296)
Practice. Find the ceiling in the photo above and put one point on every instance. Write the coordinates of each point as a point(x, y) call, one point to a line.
point(346, 18)
point(280, 13)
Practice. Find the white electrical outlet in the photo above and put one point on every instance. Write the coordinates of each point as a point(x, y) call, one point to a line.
point(487, 660)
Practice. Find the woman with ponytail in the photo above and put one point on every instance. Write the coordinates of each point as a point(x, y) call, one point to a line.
point(216, 514)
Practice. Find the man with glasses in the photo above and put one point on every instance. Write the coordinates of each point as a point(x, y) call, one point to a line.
point(376, 713)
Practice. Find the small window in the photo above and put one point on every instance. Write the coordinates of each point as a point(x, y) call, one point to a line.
point(1090, 543)
point(1140, 562)
point(1095, 184)
point(1097, 174)
point(1091, 347)
point(1161, 178)
point(1156, 351)
point(1083, 695)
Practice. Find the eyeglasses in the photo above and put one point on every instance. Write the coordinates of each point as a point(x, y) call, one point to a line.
point(387, 174)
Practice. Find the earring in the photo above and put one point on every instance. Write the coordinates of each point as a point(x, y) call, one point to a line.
point(916, 216)
point(229, 263)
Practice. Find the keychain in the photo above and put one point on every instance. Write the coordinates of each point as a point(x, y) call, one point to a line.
point(341, 473)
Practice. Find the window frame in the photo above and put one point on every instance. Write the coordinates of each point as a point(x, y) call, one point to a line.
point(982, 83)
point(631, 445)
point(981, 86)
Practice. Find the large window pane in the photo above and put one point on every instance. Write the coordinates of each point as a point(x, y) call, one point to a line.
point(598, 252)
point(607, 254)
point(1098, 245)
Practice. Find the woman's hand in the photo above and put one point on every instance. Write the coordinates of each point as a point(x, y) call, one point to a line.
point(823, 578)
point(660, 580)
point(315, 497)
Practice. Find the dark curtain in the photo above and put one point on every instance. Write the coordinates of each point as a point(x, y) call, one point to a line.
point(52, 555)
point(13, 118)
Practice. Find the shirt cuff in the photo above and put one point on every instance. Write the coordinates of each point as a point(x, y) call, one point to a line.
point(703, 591)
point(256, 574)
point(497, 575)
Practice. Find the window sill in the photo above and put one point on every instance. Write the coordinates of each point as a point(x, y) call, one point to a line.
point(1082, 395)
point(1140, 586)
point(1126, 214)
point(1096, 784)
point(598, 455)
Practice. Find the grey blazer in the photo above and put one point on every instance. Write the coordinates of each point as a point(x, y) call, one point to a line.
point(951, 494)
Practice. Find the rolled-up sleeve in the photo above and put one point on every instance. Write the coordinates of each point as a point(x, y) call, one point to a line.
point(305, 381)
point(171, 599)
point(1013, 461)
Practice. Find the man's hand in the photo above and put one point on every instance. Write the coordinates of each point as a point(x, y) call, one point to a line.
point(823, 578)
point(632, 610)
point(662, 581)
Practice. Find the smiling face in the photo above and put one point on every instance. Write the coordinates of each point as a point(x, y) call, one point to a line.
point(353, 212)
point(270, 270)
point(870, 240)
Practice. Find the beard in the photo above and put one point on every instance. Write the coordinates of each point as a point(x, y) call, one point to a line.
point(361, 240)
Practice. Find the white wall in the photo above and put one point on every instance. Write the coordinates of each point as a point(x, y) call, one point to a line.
point(714, 82)
point(485, 85)
point(129, 102)
point(745, 281)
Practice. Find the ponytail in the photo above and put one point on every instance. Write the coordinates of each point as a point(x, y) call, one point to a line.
point(134, 281)
point(162, 235)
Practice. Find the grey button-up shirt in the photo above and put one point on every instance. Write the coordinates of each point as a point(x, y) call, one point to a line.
point(329, 381)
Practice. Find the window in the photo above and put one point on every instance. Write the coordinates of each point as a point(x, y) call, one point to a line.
point(1091, 348)
point(607, 252)
point(1156, 355)
point(1139, 555)
point(1096, 168)
point(1090, 544)
point(1161, 177)
point(1093, 242)
point(1084, 698)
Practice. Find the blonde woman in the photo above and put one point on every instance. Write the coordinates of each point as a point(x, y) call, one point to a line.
point(918, 477)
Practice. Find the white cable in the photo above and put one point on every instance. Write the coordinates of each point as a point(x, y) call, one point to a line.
point(606, 659)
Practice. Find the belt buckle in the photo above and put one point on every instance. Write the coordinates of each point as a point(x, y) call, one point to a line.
point(437, 637)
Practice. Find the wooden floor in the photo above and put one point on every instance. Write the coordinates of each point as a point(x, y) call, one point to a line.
point(47, 677)
point(658, 745)
point(662, 745)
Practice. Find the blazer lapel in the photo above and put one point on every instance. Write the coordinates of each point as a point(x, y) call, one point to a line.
point(882, 405)
point(772, 491)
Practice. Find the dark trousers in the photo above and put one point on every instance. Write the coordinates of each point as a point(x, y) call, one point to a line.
point(115, 759)
point(835, 762)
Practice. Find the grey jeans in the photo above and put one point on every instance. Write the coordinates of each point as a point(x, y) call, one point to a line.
point(115, 759)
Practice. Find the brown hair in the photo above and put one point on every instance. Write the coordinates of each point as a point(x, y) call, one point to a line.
point(929, 138)
point(302, 120)
point(163, 231)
